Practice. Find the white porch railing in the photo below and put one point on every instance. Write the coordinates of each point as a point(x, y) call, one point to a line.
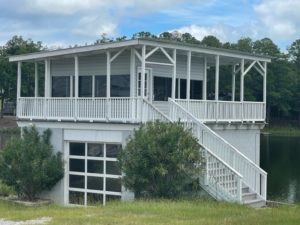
point(123, 109)
point(253, 176)
point(208, 110)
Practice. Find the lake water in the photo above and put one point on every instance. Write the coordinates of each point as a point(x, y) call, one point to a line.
point(280, 157)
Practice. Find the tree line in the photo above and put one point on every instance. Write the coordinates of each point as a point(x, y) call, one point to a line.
point(283, 80)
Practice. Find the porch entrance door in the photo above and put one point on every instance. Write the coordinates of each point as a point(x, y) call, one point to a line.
point(147, 89)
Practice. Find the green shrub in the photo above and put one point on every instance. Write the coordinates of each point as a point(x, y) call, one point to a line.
point(29, 165)
point(160, 160)
point(6, 190)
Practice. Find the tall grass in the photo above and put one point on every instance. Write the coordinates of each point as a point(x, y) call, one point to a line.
point(156, 212)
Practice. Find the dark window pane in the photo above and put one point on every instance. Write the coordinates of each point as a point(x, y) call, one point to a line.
point(85, 86)
point(95, 166)
point(61, 86)
point(112, 168)
point(77, 149)
point(94, 199)
point(113, 150)
point(95, 150)
point(100, 86)
point(95, 183)
point(162, 88)
point(120, 86)
point(196, 89)
point(77, 165)
point(76, 197)
point(113, 184)
point(113, 198)
point(76, 181)
point(183, 88)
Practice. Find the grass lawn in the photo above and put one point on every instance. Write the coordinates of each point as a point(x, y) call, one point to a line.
point(155, 212)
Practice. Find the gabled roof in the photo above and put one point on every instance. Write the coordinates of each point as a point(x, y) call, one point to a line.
point(136, 42)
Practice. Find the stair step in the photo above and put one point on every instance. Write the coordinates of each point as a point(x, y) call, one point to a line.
point(249, 196)
point(255, 203)
point(245, 190)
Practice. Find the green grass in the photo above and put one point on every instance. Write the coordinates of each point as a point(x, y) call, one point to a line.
point(283, 131)
point(156, 212)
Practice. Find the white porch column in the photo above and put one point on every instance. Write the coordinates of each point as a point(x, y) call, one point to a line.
point(265, 83)
point(143, 71)
point(204, 82)
point(108, 71)
point(188, 80)
point(217, 78)
point(233, 83)
point(76, 76)
point(47, 78)
point(36, 80)
point(242, 80)
point(132, 73)
point(19, 79)
point(174, 75)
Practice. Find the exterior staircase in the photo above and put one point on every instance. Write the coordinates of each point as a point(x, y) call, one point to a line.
point(227, 174)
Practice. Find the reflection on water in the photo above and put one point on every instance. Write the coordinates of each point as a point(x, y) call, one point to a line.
point(280, 157)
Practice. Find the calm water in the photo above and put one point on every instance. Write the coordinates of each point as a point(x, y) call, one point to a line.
point(280, 157)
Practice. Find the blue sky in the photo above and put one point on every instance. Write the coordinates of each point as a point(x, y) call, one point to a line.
point(60, 23)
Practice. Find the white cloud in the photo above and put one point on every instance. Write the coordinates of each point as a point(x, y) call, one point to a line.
point(280, 18)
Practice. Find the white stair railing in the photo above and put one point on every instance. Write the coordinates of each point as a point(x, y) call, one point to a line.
point(253, 176)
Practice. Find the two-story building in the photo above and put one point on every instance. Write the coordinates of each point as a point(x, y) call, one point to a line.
point(94, 96)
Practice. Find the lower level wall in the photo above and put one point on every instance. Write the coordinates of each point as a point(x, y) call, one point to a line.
point(244, 137)
point(63, 133)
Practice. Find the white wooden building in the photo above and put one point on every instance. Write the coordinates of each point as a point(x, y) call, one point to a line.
point(94, 96)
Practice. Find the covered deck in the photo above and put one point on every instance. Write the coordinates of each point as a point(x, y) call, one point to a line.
point(163, 69)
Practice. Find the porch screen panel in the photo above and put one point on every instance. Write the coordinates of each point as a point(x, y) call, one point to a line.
point(85, 86)
point(196, 89)
point(120, 86)
point(100, 86)
point(61, 86)
point(162, 88)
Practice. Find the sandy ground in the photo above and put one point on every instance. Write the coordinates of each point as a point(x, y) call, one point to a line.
point(43, 220)
point(8, 122)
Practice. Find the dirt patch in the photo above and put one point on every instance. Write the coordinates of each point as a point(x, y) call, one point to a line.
point(8, 122)
point(43, 220)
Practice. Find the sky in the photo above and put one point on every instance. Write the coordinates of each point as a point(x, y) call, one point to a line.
point(61, 23)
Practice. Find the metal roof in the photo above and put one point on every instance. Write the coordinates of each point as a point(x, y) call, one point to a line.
point(136, 42)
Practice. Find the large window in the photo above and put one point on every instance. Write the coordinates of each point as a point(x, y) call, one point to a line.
point(94, 175)
point(162, 88)
point(85, 86)
point(120, 86)
point(195, 89)
point(100, 86)
point(61, 86)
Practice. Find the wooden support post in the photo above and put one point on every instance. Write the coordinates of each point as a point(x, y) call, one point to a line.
point(204, 83)
point(76, 64)
point(242, 87)
point(47, 78)
point(19, 79)
point(174, 75)
point(76, 76)
point(132, 83)
point(36, 80)
point(143, 71)
point(217, 78)
point(188, 80)
point(233, 83)
point(108, 73)
point(265, 83)
point(242, 80)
